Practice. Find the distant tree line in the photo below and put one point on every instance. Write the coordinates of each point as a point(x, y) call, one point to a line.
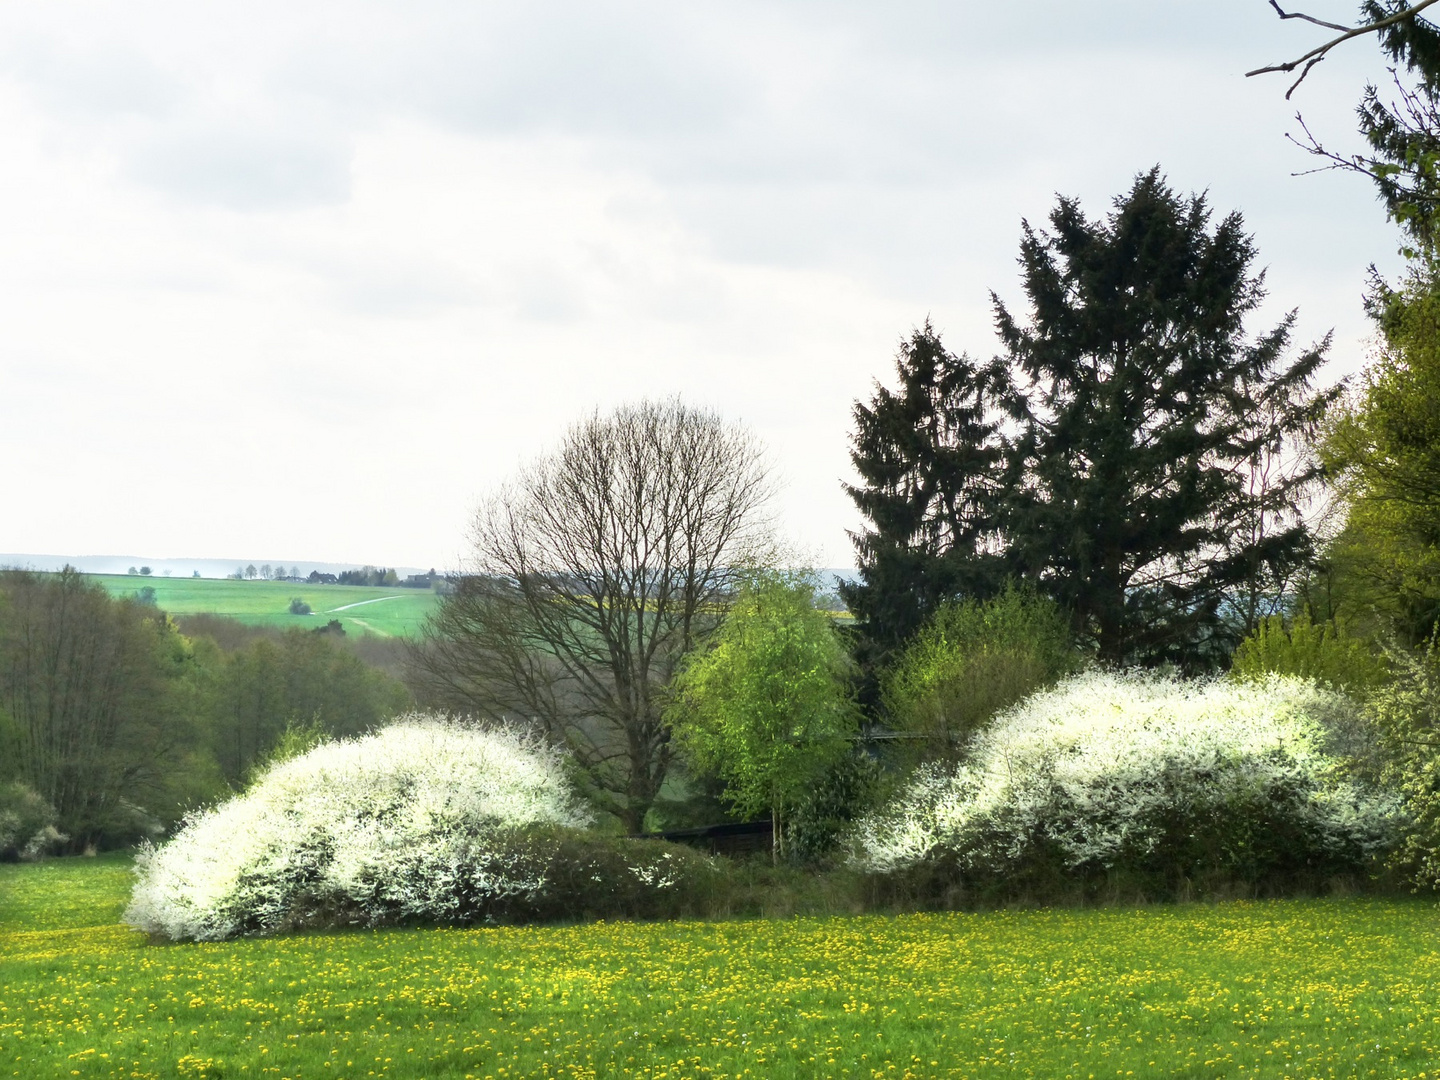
point(117, 719)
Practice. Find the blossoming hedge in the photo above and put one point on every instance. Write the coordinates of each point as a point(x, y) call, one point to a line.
point(424, 820)
point(1161, 777)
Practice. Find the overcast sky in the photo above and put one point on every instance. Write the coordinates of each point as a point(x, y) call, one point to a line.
point(303, 281)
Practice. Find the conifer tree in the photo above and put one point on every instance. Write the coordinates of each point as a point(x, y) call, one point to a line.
point(931, 463)
point(1145, 409)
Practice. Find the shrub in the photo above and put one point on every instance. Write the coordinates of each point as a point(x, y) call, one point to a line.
point(393, 826)
point(1324, 652)
point(298, 606)
point(839, 796)
point(971, 660)
point(1167, 781)
point(27, 824)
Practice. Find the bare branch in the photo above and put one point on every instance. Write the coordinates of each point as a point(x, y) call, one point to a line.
point(1308, 18)
point(1315, 55)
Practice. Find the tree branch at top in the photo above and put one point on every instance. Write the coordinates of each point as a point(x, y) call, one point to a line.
point(1315, 55)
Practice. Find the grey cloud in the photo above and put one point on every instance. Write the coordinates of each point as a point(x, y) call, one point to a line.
point(248, 168)
point(98, 82)
point(546, 294)
point(641, 69)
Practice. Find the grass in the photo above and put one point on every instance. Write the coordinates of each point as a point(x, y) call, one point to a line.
point(389, 612)
point(1340, 987)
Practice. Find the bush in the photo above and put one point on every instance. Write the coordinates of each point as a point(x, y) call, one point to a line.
point(1323, 652)
point(1166, 782)
point(388, 827)
point(425, 821)
point(27, 824)
point(971, 660)
point(298, 606)
point(838, 797)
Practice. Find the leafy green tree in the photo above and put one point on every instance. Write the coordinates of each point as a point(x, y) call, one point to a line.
point(275, 682)
point(1383, 448)
point(1407, 715)
point(972, 659)
point(931, 465)
point(1144, 411)
point(767, 706)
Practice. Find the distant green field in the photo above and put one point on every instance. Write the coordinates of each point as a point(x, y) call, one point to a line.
point(389, 612)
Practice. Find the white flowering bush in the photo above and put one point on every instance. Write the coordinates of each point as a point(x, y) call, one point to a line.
point(425, 820)
point(27, 824)
point(1152, 775)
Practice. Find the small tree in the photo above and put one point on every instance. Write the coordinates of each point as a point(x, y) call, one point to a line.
point(767, 707)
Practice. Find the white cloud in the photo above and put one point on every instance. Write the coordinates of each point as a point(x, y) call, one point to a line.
point(303, 280)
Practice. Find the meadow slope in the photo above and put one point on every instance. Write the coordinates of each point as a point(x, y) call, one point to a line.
point(389, 612)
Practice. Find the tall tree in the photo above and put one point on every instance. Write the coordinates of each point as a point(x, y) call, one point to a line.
point(593, 575)
point(1144, 408)
point(931, 464)
point(1383, 449)
point(85, 682)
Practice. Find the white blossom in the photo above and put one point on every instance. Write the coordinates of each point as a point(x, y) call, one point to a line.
point(1102, 764)
point(394, 822)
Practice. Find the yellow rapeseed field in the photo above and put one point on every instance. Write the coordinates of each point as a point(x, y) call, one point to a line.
point(1333, 988)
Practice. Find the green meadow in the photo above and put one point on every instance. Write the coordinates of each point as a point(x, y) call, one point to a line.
point(389, 612)
point(1316, 988)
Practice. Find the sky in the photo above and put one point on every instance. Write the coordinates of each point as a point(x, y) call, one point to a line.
point(306, 281)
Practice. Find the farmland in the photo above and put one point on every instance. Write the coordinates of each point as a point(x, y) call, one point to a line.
point(1342, 987)
point(389, 612)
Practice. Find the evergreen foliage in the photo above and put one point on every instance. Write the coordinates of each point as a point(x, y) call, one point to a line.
point(1134, 454)
point(1404, 135)
point(931, 464)
point(1148, 416)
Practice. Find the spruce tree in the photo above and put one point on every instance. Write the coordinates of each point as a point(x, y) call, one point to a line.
point(931, 463)
point(1135, 500)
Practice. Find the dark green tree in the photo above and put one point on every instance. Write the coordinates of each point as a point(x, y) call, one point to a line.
point(1138, 504)
point(931, 463)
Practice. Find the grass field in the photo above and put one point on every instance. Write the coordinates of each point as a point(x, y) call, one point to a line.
point(1333, 988)
point(388, 612)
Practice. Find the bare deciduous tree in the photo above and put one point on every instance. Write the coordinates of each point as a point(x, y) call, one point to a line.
point(594, 571)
